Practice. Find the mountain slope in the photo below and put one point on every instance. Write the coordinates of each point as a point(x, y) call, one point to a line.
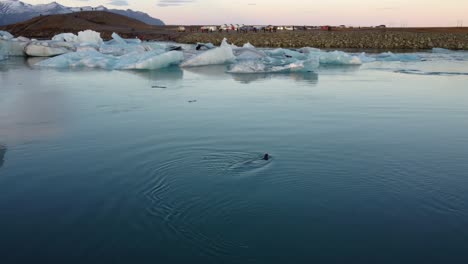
point(45, 27)
point(14, 11)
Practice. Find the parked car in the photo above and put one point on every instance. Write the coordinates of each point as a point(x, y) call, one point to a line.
point(289, 28)
point(209, 28)
point(246, 28)
point(181, 29)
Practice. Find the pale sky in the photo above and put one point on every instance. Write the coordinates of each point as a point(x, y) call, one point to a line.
point(297, 12)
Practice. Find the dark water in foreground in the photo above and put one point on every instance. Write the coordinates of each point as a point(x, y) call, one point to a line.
point(369, 165)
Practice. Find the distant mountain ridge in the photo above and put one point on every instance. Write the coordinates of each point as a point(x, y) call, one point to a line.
point(14, 11)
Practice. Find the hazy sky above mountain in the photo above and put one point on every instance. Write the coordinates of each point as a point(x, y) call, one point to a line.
point(307, 12)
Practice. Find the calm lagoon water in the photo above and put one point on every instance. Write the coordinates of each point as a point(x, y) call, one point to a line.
point(369, 164)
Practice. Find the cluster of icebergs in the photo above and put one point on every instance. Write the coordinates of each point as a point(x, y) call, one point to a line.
point(88, 49)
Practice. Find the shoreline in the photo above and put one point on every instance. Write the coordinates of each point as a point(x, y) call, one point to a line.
point(370, 39)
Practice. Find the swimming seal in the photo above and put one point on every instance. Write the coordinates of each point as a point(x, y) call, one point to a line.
point(266, 156)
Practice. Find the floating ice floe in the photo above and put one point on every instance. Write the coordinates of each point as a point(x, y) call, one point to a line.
point(273, 66)
point(440, 50)
point(221, 55)
point(403, 57)
point(339, 58)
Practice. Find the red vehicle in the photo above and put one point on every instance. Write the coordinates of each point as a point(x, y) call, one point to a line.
point(326, 28)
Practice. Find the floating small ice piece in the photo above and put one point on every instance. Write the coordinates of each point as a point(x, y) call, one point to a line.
point(66, 37)
point(339, 58)
point(90, 36)
point(221, 55)
point(390, 56)
point(5, 35)
point(440, 50)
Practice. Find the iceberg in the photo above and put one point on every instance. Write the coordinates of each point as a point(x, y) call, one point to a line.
point(66, 37)
point(48, 48)
point(4, 35)
point(223, 54)
point(117, 39)
point(204, 46)
point(149, 60)
point(14, 47)
point(120, 46)
point(269, 65)
point(86, 47)
point(248, 46)
point(286, 53)
point(90, 36)
point(119, 50)
point(94, 59)
point(248, 54)
point(89, 59)
point(365, 59)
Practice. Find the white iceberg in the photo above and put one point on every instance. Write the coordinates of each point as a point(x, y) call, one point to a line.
point(221, 55)
point(66, 37)
point(90, 36)
point(48, 48)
